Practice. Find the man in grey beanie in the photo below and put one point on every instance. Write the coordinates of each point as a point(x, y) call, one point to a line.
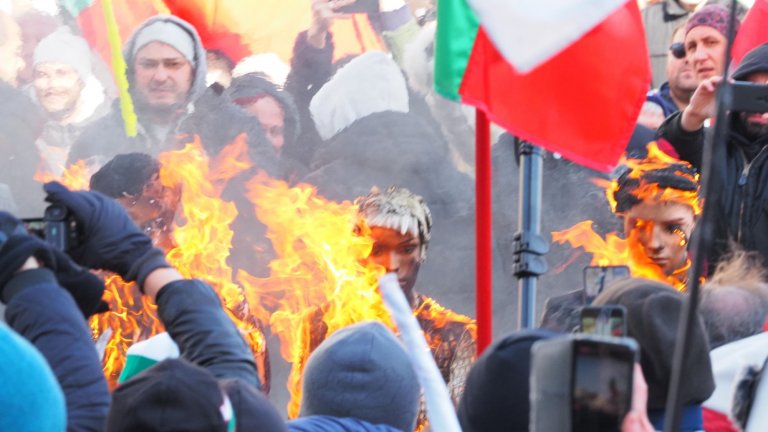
point(360, 379)
point(166, 71)
point(69, 96)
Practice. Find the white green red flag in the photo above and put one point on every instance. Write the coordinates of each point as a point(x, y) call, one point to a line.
point(567, 75)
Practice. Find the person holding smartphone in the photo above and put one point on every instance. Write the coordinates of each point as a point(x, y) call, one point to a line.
point(741, 166)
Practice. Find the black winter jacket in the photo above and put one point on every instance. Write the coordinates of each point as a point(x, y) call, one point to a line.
point(739, 195)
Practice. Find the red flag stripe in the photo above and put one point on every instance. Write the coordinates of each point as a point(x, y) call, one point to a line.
point(583, 103)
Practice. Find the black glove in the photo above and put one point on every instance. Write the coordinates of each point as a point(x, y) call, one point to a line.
point(86, 288)
point(15, 251)
point(17, 246)
point(110, 240)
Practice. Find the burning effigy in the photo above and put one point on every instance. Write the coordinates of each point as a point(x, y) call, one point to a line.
point(658, 199)
point(323, 276)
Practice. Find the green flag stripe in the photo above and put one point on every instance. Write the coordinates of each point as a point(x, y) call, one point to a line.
point(456, 32)
point(74, 7)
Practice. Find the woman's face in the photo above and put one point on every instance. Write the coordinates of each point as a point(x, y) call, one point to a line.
point(658, 234)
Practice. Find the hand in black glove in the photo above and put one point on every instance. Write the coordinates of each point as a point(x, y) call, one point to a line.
point(110, 240)
point(17, 246)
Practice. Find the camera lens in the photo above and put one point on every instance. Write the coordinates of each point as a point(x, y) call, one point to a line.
point(55, 212)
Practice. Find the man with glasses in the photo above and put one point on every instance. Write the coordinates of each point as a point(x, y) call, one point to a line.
point(673, 95)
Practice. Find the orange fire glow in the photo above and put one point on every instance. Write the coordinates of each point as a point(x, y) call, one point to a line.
point(75, 177)
point(202, 236)
point(615, 250)
point(319, 273)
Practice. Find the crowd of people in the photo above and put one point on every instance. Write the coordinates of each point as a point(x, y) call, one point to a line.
point(369, 129)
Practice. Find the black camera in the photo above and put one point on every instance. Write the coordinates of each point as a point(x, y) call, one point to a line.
point(57, 227)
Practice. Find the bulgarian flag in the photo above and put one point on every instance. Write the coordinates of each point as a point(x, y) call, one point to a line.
point(567, 75)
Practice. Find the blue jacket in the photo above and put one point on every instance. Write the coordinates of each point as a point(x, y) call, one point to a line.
point(46, 315)
point(335, 424)
point(662, 98)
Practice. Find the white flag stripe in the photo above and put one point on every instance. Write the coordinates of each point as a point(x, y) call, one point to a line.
point(528, 33)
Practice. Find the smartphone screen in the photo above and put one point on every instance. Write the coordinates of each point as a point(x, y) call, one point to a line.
point(596, 278)
point(35, 226)
point(601, 385)
point(609, 320)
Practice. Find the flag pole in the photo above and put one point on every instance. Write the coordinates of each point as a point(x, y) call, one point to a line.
point(483, 232)
point(119, 69)
point(702, 240)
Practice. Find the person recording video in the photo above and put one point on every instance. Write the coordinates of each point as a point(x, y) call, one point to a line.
point(741, 167)
point(48, 293)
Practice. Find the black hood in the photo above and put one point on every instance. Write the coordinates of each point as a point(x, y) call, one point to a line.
point(254, 84)
point(756, 60)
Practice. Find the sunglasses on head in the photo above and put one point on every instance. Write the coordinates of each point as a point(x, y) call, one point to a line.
point(678, 50)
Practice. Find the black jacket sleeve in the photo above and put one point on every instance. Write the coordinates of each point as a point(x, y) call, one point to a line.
point(194, 317)
point(689, 145)
point(46, 315)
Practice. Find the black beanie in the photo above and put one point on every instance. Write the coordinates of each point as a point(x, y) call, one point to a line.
point(496, 395)
point(653, 313)
point(254, 412)
point(756, 60)
point(171, 395)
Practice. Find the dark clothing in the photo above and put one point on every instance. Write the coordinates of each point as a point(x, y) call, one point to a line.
point(20, 125)
point(215, 120)
point(739, 196)
point(662, 98)
point(194, 317)
point(46, 315)
point(335, 424)
point(310, 69)
point(391, 148)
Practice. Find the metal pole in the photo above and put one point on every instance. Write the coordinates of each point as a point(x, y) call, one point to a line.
point(529, 224)
point(700, 242)
point(484, 235)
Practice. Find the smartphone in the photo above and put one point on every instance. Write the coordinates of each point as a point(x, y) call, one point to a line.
point(601, 383)
point(749, 97)
point(596, 278)
point(608, 320)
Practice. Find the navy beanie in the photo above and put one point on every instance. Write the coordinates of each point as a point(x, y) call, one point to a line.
point(362, 371)
point(496, 396)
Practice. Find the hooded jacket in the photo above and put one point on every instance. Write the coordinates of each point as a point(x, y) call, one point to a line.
point(209, 115)
point(740, 171)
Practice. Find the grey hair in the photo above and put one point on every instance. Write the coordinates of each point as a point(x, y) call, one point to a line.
point(730, 313)
point(398, 209)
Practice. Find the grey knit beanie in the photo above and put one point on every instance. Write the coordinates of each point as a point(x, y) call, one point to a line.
point(63, 47)
point(362, 371)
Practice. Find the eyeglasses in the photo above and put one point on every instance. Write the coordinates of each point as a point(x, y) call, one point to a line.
point(678, 50)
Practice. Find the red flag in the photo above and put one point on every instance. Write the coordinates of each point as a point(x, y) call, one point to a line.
point(753, 31)
point(583, 103)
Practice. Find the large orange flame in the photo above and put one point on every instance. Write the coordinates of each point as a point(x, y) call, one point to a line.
point(319, 281)
point(615, 250)
point(202, 236)
point(75, 177)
